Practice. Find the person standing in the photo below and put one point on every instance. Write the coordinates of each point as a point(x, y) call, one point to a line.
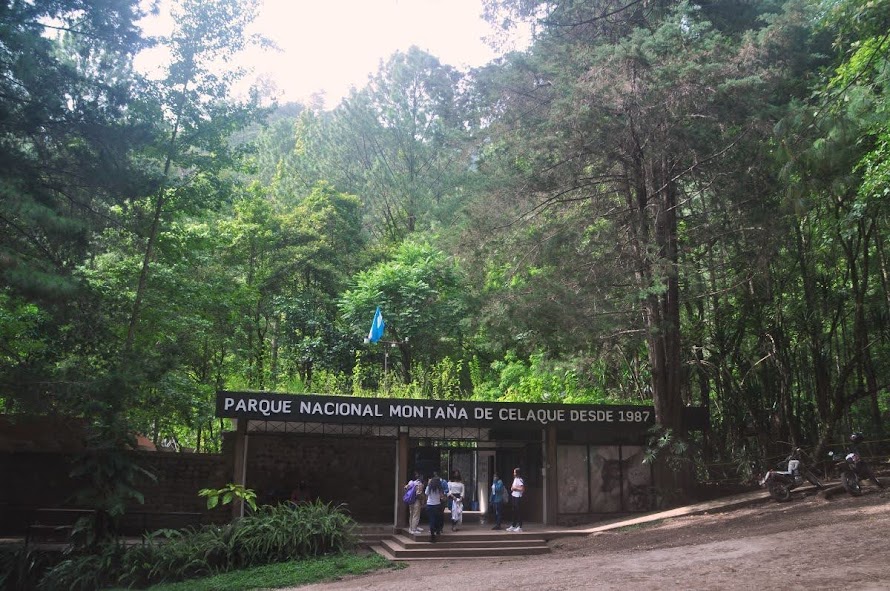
point(456, 491)
point(435, 506)
point(498, 494)
point(414, 508)
point(517, 489)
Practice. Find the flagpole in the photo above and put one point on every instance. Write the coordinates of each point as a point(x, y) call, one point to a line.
point(386, 349)
point(385, 369)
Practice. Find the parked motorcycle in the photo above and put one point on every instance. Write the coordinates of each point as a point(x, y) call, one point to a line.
point(853, 469)
point(791, 474)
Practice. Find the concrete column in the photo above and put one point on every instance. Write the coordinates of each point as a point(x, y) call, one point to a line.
point(240, 464)
point(551, 486)
point(483, 481)
point(402, 449)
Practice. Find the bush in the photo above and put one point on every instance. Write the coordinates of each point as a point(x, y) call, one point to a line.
point(272, 534)
point(85, 572)
point(21, 568)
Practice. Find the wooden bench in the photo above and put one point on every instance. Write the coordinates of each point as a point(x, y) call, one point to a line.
point(142, 522)
point(53, 524)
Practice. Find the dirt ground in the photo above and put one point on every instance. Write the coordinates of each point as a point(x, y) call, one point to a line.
point(810, 542)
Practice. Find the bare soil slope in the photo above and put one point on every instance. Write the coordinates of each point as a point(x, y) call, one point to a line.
point(810, 542)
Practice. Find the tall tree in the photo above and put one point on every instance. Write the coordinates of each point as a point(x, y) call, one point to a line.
point(398, 144)
point(200, 114)
point(628, 113)
point(65, 166)
point(418, 290)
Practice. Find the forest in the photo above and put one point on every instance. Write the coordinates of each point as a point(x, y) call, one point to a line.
point(666, 203)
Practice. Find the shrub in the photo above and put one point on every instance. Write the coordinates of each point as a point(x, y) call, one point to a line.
point(227, 494)
point(21, 567)
point(272, 534)
point(85, 572)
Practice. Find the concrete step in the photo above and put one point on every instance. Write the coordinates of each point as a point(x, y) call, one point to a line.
point(393, 550)
point(446, 541)
point(476, 535)
point(373, 538)
point(372, 533)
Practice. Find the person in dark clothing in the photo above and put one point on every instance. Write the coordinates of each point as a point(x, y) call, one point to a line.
point(435, 506)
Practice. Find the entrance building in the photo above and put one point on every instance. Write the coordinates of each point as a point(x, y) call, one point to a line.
point(579, 462)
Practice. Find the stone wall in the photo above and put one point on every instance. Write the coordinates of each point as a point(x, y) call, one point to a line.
point(34, 480)
point(179, 478)
point(31, 480)
point(358, 472)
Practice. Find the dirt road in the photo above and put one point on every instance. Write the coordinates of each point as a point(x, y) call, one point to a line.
point(811, 542)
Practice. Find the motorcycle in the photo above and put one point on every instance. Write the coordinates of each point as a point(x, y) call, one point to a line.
point(781, 482)
point(853, 469)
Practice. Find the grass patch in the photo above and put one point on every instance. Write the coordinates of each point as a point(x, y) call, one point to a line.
point(285, 574)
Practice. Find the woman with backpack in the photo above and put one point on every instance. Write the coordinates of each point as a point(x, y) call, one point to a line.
point(412, 498)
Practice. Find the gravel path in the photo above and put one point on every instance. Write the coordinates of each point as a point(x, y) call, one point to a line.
point(810, 542)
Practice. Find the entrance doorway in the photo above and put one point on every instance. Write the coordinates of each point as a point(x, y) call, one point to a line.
point(445, 461)
point(477, 464)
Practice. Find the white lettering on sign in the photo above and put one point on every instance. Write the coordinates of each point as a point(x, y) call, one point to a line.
point(341, 409)
point(263, 406)
point(592, 416)
point(483, 413)
point(633, 416)
point(449, 413)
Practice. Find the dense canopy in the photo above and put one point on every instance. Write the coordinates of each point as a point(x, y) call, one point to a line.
point(670, 203)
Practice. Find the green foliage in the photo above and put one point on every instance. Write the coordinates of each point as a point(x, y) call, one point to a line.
point(446, 383)
point(85, 572)
point(286, 574)
point(539, 380)
point(665, 446)
point(227, 494)
point(21, 567)
point(271, 535)
point(111, 478)
point(418, 291)
point(400, 143)
point(681, 203)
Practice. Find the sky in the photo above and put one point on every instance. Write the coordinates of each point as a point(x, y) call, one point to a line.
point(330, 45)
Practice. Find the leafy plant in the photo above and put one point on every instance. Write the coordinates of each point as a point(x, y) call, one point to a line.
point(271, 535)
point(21, 567)
point(111, 476)
point(85, 572)
point(663, 443)
point(227, 494)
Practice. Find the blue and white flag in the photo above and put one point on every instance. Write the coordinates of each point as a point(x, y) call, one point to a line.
point(377, 326)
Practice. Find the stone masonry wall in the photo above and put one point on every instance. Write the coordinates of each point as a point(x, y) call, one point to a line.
point(34, 480)
point(358, 472)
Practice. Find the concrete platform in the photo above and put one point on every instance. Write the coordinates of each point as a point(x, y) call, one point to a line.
point(474, 540)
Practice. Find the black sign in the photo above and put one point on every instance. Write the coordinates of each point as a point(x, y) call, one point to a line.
point(397, 411)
